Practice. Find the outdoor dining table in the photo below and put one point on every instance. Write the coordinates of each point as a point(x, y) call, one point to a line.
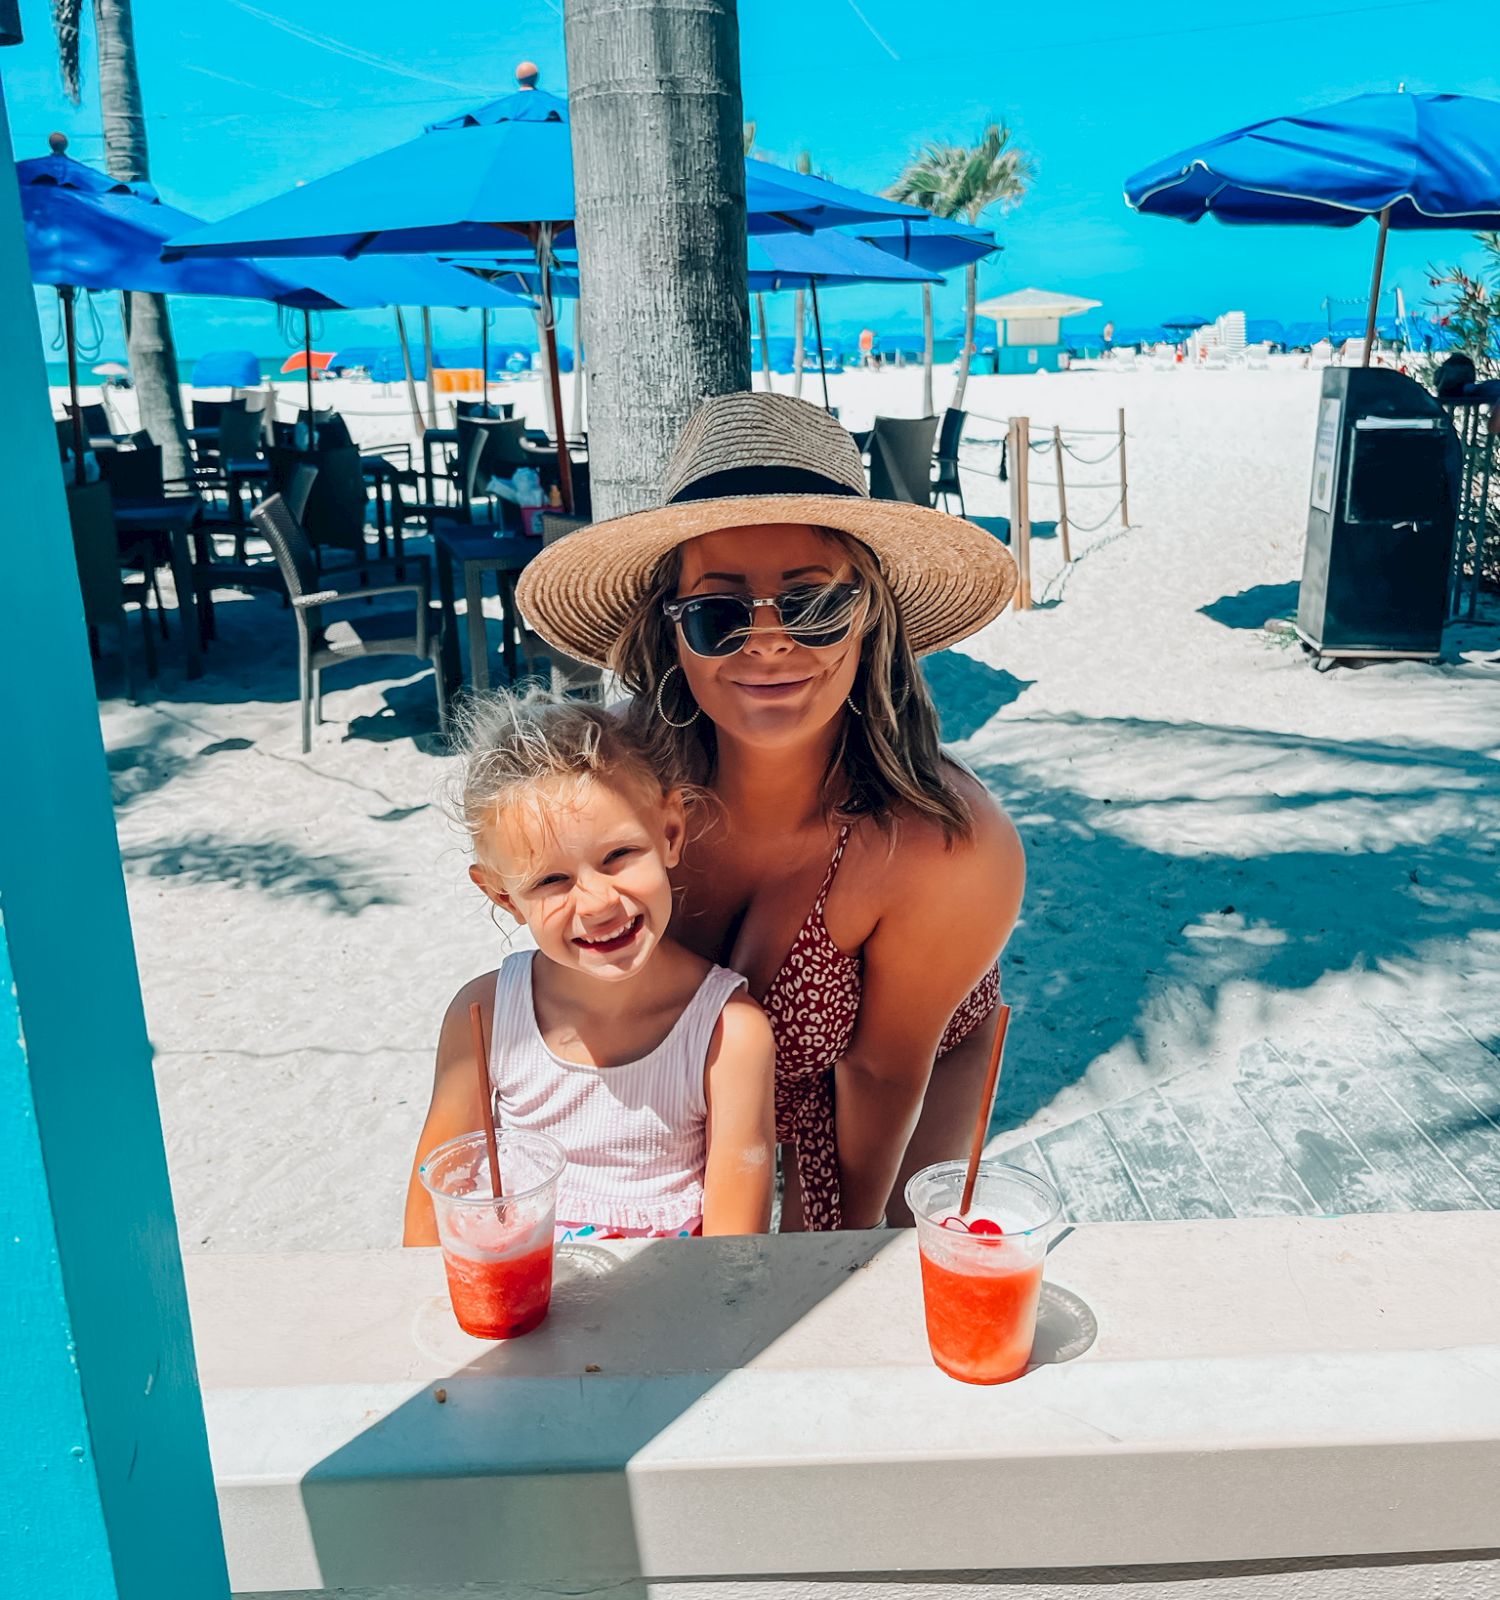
point(480, 548)
point(173, 517)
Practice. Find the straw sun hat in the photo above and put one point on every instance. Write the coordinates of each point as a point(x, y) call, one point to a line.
point(749, 459)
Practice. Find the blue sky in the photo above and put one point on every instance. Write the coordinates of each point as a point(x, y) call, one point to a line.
point(244, 99)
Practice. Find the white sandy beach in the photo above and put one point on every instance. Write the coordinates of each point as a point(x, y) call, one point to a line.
point(1223, 843)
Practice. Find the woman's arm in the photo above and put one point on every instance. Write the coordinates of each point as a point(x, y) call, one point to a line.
point(948, 914)
point(457, 1106)
point(737, 1082)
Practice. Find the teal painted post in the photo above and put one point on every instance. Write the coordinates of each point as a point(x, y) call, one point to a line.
point(105, 1487)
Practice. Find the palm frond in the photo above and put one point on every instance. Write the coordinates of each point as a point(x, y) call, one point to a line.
point(67, 25)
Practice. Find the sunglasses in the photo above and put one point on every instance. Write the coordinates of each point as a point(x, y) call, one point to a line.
point(815, 615)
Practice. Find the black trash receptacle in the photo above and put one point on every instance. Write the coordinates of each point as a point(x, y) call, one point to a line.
point(1381, 518)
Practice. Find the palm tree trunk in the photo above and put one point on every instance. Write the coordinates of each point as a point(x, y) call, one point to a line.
point(971, 292)
point(148, 327)
point(927, 350)
point(654, 94)
point(799, 340)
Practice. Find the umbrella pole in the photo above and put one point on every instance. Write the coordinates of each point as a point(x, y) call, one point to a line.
point(541, 243)
point(427, 356)
point(411, 383)
point(1385, 228)
point(818, 334)
point(75, 411)
point(484, 363)
point(312, 433)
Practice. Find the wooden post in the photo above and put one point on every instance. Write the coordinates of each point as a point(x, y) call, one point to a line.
point(1124, 477)
point(1019, 448)
point(1062, 496)
point(427, 357)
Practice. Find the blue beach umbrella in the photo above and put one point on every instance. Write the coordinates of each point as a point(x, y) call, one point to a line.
point(470, 183)
point(938, 243)
point(226, 369)
point(1416, 161)
point(86, 230)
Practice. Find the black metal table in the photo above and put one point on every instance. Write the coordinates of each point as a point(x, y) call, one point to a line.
point(480, 548)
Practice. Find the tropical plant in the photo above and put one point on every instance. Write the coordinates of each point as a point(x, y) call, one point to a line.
point(1470, 309)
point(960, 181)
point(148, 327)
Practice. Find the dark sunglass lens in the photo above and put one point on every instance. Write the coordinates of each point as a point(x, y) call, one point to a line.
point(715, 625)
point(818, 616)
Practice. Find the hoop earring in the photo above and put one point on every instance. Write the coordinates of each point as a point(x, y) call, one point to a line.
point(661, 710)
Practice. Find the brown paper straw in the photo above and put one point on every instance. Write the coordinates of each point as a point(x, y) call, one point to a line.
point(486, 1099)
point(986, 1107)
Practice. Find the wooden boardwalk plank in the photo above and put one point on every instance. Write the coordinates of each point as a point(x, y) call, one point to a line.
point(1335, 1174)
point(1251, 1171)
point(1465, 1135)
point(1455, 1051)
point(1168, 1170)
point(1028, 1156)
point(1093, 1180)
point(1418, 1175)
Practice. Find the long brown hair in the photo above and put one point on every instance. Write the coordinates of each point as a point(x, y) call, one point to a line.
point(887, 759)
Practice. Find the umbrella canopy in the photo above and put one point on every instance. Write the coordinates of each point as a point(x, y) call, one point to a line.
point(937, 243)
point(1416, 161)
point(800, 261)
point(307, 361)
point(467, 182)
point(1186, 323)
point(1432, 160)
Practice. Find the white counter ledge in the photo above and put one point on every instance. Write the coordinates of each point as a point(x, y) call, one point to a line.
point(1212, 1392)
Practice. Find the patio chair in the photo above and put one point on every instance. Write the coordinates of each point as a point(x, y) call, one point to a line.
point(472, 443)
point(415, 628)
point(242, 571)
point(334, 514)
point(948, 483)
point(96, 549)
point(568, 676)
point(901, 459)
point(500, 410)
point(134, 474)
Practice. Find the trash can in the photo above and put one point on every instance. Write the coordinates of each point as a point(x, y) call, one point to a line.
point(1381, 518)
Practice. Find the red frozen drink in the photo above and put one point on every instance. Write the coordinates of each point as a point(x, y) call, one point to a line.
point(982, 1274)
point(497, 1253)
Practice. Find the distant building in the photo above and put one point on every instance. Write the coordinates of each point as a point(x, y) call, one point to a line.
point(1027, 324)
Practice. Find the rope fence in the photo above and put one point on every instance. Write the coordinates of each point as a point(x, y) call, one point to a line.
point(1018, 444)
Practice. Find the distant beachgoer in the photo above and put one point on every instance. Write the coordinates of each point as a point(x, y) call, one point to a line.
point(646, 1062)
point(768, 618)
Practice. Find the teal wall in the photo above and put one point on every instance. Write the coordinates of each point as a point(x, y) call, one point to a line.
point(105, 1487)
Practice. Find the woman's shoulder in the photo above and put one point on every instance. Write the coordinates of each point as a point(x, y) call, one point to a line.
point(916, 849)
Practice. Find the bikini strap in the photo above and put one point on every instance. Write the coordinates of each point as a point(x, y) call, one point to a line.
point(833, 867)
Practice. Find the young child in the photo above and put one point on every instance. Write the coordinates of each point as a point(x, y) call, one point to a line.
point(649, 1065)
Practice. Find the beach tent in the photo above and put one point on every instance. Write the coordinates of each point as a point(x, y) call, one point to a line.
point(505, 168)
point(226, 369)
point(1416, 162)
point(1264, 330)
point(1027, 321)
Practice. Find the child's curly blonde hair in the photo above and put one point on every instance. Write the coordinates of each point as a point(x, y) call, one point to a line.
point(512, 744)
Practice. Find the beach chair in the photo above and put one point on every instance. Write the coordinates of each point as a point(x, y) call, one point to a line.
point(901, 459)
point(333, 516)
point(414, 628)
point(947, 482)
point(105, 592)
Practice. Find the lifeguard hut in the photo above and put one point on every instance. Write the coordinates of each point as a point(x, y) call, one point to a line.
point(1028, 337)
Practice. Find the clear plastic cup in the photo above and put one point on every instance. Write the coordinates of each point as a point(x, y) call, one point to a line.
point(981, 1289)
point(498, 1253)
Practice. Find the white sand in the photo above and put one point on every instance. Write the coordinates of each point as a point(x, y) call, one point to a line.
point(1222, 842)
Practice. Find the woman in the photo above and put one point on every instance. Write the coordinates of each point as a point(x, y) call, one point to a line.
point(767, 618)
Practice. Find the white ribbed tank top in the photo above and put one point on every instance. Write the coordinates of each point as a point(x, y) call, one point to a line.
point(637, 1134)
